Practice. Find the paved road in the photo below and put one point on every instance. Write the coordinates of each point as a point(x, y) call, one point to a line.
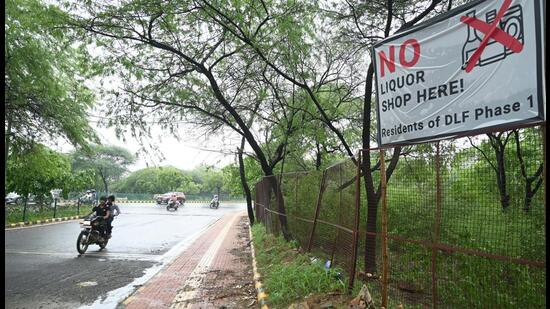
point(44, 270)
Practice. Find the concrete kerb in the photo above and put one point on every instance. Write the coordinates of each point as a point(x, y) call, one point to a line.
point(36, 222)
point(261, 294)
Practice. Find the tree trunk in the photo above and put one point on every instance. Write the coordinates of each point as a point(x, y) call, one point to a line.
point(275, 186)
point(105, 185)
point(372, 201)
point(501, 180)
point(247, 134)
point(529, 191)
point(373, 195)
point(318, 158)
point(244, 183)
point(499, 147)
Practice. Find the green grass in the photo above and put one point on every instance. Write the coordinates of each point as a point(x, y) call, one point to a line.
point(288, 275)
point(34, 213)
point(466, 281)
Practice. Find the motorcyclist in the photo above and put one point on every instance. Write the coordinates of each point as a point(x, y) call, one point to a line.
point(115, 211)
point(174, 199)
point(214, 200)
point(103, 211)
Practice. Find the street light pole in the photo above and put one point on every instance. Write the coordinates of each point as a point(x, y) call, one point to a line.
point(25, 208)
point(54, 207)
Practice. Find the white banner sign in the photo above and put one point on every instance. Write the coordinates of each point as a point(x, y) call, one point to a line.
point(478, 68)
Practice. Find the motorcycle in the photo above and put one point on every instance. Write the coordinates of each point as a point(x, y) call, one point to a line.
point(215, 203)
point(90, 234)
point(173, 205)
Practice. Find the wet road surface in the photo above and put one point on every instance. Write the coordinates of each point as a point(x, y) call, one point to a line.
point(44, 270)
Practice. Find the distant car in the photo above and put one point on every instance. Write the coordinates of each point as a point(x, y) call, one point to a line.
point(13, 198)
point(164, 198)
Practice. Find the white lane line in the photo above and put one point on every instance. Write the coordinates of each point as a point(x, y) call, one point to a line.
point(193, 282)
point(110, 255)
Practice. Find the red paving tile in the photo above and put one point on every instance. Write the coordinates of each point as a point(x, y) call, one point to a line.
point(227, 265)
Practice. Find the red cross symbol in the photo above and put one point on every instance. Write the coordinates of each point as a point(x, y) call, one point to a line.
point(491, 31)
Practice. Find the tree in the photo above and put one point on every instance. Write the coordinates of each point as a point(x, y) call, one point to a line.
point(45, 96)
point(213, 181)
point(158, 180)
point(364, 23)
point(177, 74)
point(498, 142)
point(171, 178)
point(109, 163)
point(535, 179)
point(37, 169)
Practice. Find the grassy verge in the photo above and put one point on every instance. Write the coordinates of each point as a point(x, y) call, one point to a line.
point(290, 276)
point(34, 213)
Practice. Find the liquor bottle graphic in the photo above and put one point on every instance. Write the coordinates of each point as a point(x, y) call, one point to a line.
point(511, 23)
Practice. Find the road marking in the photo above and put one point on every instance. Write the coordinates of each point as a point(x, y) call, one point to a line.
point(107, 255)
point(193, 282)
point(44, 223)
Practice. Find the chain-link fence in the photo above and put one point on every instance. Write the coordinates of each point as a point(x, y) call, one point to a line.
point(464, 220)
point(319, 209)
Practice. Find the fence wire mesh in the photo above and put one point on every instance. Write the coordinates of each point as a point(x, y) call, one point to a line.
point(474, 237)
point(319, 208)
point(484, 246)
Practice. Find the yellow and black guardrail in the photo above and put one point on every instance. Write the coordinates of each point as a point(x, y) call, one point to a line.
point(261, 293)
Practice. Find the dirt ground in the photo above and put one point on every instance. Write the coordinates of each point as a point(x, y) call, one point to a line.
point(235, 289)
point(232, 288)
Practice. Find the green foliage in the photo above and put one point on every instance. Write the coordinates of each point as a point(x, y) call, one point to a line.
point(232, 178)
point(289, 275)
point(108, 162)
point(37, 170)
point(45, 95)
point(201, 181)
point(154, 180)
point(34, 213)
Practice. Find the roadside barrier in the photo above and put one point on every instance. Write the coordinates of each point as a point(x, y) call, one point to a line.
point(261, 295)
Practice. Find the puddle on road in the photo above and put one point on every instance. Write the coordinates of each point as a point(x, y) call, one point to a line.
point(114, 297)
point(87, 283)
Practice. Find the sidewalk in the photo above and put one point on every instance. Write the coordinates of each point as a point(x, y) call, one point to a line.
point(214, 272)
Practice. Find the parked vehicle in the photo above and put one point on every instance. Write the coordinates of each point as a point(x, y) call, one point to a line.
point(215, 202)
point(89, 197)
point(13, 198)
point(164, 198)
point(91, 233)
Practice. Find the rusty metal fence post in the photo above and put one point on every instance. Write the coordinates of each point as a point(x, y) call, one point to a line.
point(317, 210)
point(543, 129)
point(384, 231)
point(340, 212)
point(435, 238)
point(356, 223)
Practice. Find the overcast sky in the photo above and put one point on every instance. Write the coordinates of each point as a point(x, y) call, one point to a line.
point(192, 150)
